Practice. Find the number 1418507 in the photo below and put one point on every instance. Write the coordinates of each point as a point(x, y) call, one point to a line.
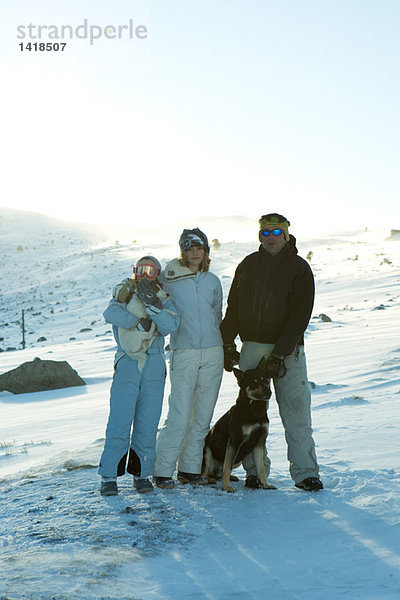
point(43, 46)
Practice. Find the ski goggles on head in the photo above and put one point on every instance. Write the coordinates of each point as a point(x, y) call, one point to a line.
point(146, 269)
point(275, 232)
point(191, 243)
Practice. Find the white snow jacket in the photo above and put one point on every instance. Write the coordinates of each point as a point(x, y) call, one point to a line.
point(197, 298)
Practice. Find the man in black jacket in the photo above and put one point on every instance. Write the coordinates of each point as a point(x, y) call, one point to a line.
point(269, 306)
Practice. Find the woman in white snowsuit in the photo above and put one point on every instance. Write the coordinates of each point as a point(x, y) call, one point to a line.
point(196, 363)
point(141, 315)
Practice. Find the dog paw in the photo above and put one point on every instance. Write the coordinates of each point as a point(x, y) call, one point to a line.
point(228, 489)
point(267, 486)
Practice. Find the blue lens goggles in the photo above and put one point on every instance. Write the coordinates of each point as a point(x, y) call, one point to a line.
point(275, 232)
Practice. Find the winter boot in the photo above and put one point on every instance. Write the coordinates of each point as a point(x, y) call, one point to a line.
point(142, 485)
point(193, 478)
point(252, 482)
point(165, 483)
point(310, 484)
point(108, 487)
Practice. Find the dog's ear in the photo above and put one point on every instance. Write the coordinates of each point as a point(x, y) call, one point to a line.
point(238, 374)
point(261, 365)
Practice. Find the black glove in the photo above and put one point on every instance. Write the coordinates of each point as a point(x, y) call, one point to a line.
point(275, 366)
point(143, 324)
point(147, 293)
point(231, 356)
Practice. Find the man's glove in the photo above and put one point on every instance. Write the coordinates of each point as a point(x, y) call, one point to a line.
point(143, 324)
point(147, 293)
point(231, 356)
point(275, 366)
point(123, 291)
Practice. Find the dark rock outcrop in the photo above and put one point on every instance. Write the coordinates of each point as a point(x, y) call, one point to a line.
point(40, 375)
point(394, 234)
point(325, 318)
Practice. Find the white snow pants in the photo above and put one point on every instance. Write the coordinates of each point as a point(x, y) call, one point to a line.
point(294, 401)
point(195, 375)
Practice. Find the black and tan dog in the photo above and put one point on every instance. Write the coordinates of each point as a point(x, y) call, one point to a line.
point(241, 430)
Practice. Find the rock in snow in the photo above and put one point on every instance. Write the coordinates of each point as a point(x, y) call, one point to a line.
point(40, 375)
point(324, 318)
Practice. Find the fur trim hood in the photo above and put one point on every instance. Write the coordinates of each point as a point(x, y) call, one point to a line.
point(174, 271)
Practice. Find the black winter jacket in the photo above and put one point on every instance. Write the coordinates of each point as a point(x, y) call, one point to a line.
point(270, 300)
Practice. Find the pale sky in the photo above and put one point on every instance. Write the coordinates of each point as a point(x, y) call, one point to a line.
point(235, 107)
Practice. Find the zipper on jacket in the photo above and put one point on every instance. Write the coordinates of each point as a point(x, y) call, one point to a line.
point(197, 276)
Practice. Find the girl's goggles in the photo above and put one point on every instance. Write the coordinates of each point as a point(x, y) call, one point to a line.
point(275, 232)
point(150, 270)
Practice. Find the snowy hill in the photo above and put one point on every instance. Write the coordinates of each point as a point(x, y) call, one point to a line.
point(62, 274)
point(60, 539)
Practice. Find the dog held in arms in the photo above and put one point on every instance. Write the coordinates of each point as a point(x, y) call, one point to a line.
point(241, 430)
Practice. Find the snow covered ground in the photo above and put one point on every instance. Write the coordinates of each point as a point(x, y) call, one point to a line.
point(59, 539)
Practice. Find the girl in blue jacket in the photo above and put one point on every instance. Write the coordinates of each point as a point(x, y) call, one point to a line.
point(141, 315)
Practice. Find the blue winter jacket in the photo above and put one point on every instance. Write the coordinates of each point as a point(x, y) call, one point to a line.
point(117, 315)
point(198, 300)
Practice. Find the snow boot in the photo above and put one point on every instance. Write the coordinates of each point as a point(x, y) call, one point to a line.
point(193, 478)
point(252, 482)
point(165, 483)
point(108, 488)
point(142, 485)
point(310, 484)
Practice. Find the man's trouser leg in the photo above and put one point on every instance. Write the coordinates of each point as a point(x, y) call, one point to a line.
point(294, 401)
point(184, 368)
point(205, 397)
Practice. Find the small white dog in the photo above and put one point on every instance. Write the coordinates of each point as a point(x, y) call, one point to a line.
point(135, 342)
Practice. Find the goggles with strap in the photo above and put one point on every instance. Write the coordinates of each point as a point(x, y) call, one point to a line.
point(146, 269)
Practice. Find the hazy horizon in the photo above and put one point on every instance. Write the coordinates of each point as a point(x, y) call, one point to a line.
point(231, 228)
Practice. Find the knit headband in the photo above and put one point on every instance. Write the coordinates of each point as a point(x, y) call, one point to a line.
point(275, 223)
